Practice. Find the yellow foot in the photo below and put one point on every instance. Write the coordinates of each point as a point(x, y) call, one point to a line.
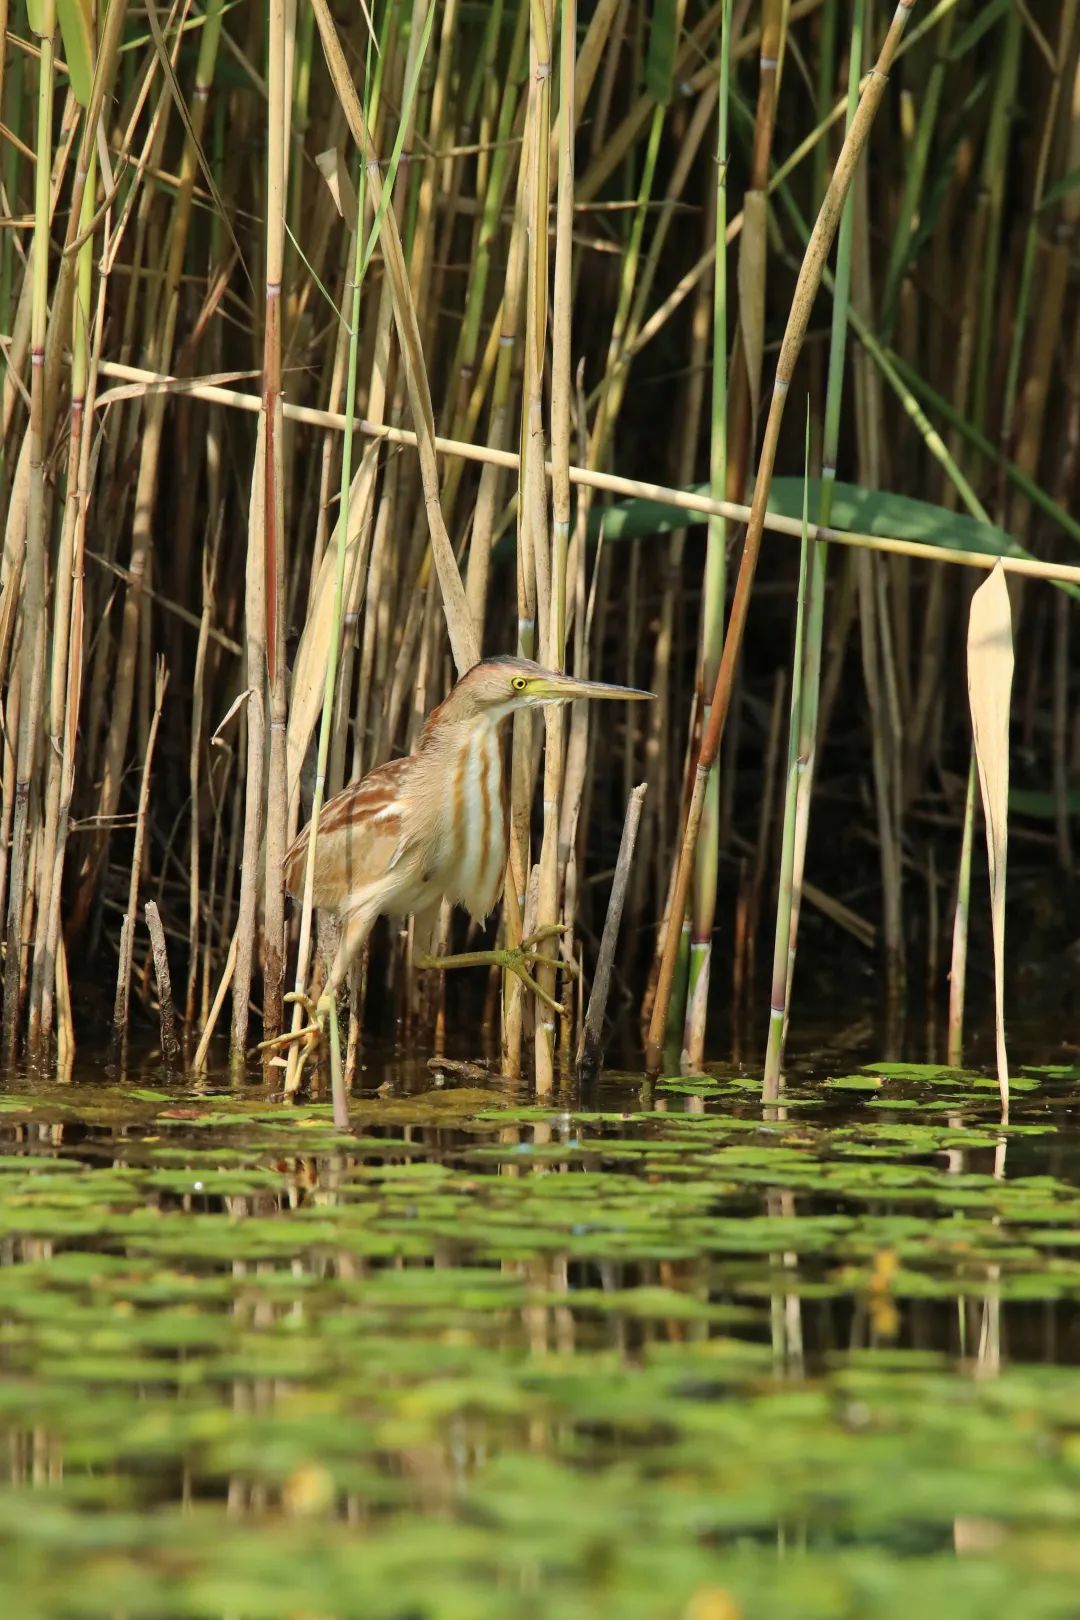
point(515, 959)
point(301, 1041)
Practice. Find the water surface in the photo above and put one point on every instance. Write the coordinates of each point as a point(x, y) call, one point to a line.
point(650, 1354)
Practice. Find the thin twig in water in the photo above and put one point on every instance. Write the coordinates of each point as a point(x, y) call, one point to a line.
point(127, 938)
point(590, 1051)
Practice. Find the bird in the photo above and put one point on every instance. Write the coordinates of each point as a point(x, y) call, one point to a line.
point(433, 825)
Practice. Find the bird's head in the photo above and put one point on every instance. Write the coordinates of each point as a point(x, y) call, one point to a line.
point(496, 687)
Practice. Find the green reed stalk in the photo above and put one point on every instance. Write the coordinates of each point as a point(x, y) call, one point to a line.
point(492, 478)
point(894, 371)
point(993, 187)
point(690, 72)
point(810, 677)
point(882, 592)
point(419, 27)
point(810, 276)
point(611, 397)
point(34, 630)
point(714, 590)
point(615, 377)
point(741, 410)
point(433, 179)
point(898, 375)
point(655, 826)
point(774, 1049)
point(917, 387)
point(301, 106)
point(481, 99)
point(826, 78)
point(1047, 333)
point(915, 168)
point(684, 166)
point(491, 200)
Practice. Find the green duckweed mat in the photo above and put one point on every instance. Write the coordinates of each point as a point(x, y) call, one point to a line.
point(662, 1356)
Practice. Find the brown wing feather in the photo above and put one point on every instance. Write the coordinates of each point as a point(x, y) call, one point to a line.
point(359, 829)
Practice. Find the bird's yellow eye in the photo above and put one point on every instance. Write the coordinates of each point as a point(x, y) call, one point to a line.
point(519, 683)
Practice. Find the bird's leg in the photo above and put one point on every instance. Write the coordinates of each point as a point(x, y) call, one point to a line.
point(514, 959)
point(303, 1039)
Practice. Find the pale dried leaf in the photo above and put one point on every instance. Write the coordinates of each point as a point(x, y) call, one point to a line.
point(172, 385)
point(753, 251)
point(309, 668)
point(331, 165)
point(255, 573)
point(990, 674)
point(233, 709)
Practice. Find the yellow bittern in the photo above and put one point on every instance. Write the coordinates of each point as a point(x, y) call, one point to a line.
point(432, 826)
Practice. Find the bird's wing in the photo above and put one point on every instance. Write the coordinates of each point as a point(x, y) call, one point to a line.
point(361, 836)
point(377, 798)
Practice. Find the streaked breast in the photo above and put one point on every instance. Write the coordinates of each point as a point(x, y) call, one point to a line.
point(476, 842)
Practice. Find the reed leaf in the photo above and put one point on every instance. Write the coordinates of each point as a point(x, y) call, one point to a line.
point(76, 19)
point(990, 676)
point(858, 510)
point(663, 40)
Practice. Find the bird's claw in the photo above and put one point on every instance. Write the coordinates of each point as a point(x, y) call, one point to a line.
point(515, 959)
point(304, 1039)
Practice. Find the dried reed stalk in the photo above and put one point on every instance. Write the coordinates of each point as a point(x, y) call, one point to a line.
point(272, 496)
point(687, 500)
point(33, 585)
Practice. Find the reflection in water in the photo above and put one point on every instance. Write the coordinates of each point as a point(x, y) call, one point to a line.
point(474, 1350)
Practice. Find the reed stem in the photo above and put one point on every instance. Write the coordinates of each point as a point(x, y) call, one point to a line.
point(809, 280)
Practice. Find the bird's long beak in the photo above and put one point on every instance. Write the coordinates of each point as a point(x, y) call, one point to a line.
point(560, 688)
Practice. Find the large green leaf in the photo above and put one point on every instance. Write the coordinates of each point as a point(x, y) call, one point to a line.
point(1040, 804)
point(864, 511)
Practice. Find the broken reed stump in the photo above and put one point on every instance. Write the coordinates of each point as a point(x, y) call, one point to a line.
point(170, 1045)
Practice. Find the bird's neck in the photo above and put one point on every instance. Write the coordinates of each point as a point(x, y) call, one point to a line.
point(445, 741)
